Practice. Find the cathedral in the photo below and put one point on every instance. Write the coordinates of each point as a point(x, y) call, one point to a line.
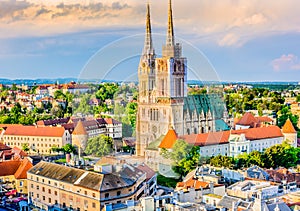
point(163, 101)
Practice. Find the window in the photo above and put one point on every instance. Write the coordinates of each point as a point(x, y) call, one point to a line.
point(106, 195)
point(44, 198)
point(32, 186)
point(21, 183)
point(37, 195)
point(85, 192)
point(37, 187)
point(43, 189)
point(49, 200)
point(94, 205)
point(49, 191)
point(55, 193)
point(94, 195)
point(118, 193)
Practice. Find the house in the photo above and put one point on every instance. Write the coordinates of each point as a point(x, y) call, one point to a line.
point(53, 186)
point(14, 172)
point(249, 121)
point(252, 195)
point(39, 139)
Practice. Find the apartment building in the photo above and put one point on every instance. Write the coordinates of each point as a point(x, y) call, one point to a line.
point(39, 139)
point(57, 187)
point(13, 172)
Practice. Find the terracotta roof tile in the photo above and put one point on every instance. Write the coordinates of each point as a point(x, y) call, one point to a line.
point(169, 140)
point(288, 127)
point(264, 119)
point(9, 167)
point(248, 119)
point(111, 121)
point(206, 139)
point(192, 183)
point(79, 129)
point(21, 172)
point(260, 133)
point(34, 131)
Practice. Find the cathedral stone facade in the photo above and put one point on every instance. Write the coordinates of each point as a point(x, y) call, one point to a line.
point(163, 101)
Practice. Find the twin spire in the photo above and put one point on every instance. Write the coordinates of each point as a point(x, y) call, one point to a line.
point(148, 47)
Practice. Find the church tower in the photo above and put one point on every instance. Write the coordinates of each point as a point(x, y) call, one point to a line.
point(162, 88)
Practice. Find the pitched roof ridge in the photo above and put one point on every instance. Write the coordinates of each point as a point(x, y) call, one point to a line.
point(288, 127)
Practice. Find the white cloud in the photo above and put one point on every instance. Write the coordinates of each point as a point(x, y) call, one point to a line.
point(226, 22)
point(286, 62)
point(229, 40)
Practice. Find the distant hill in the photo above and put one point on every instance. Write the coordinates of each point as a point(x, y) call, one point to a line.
point(67, 80)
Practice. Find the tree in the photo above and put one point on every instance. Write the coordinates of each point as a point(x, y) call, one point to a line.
point(222, 161)
point(281, 155)
point(69, 148)
point(185, 157)
point(99, 146)
point(298, 98)
point(284, 114)
point(25, 147)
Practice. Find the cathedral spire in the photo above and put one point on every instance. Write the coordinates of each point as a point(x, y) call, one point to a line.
point(148, 46)
point(170, 35)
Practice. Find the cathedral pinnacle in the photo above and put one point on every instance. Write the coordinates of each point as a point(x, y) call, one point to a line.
point(170, 35)
point(148, 47)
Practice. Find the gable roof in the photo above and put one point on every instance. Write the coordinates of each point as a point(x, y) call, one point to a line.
point(34, 131)
point(9, 167)
point(79, 129)
point(288, 127)
point(260, 133)
point(169, 140)
point(149, 172)
point(248, 119)
point(206, 139)
point(111, 121)
point(21, 172)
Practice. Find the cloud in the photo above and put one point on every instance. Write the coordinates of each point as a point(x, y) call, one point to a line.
point(229, 40)
point(225, 23)
point(286, 62)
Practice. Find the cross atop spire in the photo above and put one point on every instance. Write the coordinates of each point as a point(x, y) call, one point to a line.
point(148, 46)
point(170, 35)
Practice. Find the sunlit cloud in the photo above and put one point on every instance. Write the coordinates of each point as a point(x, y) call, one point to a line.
point(286, 62)
point(226, 22)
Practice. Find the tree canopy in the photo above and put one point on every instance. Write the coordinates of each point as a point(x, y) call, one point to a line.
point(185, 157)
point(99, 146)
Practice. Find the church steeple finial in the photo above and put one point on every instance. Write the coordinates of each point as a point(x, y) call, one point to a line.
point(148, 47)
point(170, 35)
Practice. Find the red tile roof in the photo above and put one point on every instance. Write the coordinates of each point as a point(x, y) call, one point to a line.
point(35, 131)
point(21, 172)
point(111, 121)
point(288, 127)
point(79, 129)
point(169, 140)
point(206, 139)
point(248, 119)
point(19, 152)
point(264, 119)
point(192, 183)
point(260, 133)
point(9, 167)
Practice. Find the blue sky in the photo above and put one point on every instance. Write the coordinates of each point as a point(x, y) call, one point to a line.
point(231, 40)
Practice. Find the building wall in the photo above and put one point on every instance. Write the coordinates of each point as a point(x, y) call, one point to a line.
point(41, 144)
point(46, 193)
point(213, 150)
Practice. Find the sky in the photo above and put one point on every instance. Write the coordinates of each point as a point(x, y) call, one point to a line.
point(226, 40)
